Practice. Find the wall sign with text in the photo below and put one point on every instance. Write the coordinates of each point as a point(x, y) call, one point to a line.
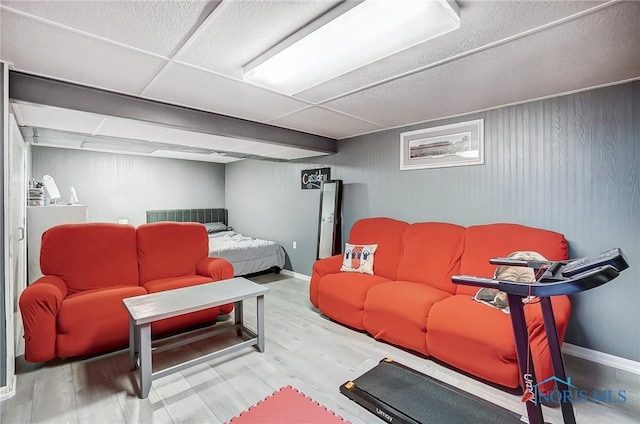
point(311, 179)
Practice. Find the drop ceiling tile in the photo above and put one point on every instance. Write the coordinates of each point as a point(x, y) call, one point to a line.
point(60, 144)
point(239, 31)
point(194, 156)
point(155, 26)
point(129, 128)
point(326, 122)
point(187, 86)
point(294, 153)
point(597, 50)
point(40, 137)
point(573, 56)
point(259, 149)
point(57, 118)
point(38, 48)
point(481, 23)
point(207, 141)
point(117, 145)
point(121, 152)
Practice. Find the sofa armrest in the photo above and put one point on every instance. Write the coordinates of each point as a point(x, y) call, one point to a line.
point(322, 267)
point(216, 268)
point(39, 306)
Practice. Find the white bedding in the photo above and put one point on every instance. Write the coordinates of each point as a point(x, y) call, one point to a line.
point(246, 254)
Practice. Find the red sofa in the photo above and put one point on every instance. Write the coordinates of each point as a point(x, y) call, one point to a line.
point(411, 302)
point(76, 307)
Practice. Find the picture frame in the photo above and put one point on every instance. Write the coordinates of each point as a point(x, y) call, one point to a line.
point(459, 144)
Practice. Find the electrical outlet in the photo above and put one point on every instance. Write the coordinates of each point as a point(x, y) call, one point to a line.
point(295, 245)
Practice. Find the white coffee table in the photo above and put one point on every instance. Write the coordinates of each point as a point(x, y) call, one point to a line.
point(145, 309)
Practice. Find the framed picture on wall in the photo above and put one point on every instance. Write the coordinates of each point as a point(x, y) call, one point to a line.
point(457, 144)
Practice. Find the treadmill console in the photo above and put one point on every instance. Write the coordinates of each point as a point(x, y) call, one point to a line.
point(613, 257)
point(557, 278)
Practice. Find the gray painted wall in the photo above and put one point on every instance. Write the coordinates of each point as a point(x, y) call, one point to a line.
point(264, 200)
point(116, 186)
point(568, 164)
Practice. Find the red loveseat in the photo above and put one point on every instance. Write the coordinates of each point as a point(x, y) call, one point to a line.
point(411, 302)
point(76, 307)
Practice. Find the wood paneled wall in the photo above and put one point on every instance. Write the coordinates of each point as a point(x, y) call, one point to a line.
point(568, 164)
point(116, 186)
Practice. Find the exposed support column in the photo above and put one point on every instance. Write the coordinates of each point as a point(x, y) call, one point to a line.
point(39, 90)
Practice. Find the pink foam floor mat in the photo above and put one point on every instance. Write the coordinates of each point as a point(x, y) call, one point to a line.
point(288, 405)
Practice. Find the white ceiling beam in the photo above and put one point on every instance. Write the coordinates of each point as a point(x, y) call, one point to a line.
point(50, 92)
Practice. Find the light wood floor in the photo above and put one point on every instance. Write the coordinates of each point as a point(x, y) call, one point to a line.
point(303, 349)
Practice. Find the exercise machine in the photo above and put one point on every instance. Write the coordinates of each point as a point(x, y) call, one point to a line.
point(399, 394)
point(396, 393)
point(552, 279)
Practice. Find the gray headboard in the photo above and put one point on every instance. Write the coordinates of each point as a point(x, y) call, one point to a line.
point(189, 215)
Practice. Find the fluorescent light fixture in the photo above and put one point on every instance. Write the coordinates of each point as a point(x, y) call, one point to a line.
point(211, 157)
point(118, 146)
point(349, 36)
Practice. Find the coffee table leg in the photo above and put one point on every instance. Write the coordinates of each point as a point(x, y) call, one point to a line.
point(144, 337)
point(260, 319)
point(238, 314)
point(132, 345)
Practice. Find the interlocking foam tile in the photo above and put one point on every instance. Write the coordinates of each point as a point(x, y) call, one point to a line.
point(288, 405)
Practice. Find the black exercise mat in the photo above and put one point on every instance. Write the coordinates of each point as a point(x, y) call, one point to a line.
point(398, 394)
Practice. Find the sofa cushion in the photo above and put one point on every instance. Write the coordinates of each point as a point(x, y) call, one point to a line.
point(458, 325)
point(170, 249)
point(387, 234)
point(474, 338)
point(341, 296)
point(483, 242)
point(163, 284)
point(431, 254)
point(359, 258)
point(94, 320)
point(186, 320)
point(397, 312)
point(104, 255)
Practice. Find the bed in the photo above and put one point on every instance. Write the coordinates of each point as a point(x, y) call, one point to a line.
point(247, 254)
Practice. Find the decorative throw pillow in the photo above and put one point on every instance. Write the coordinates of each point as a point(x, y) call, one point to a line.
point(215, 227)
point(358, 258)
point(497, 298)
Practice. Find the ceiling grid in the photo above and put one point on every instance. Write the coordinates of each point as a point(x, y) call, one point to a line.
point(184, 62)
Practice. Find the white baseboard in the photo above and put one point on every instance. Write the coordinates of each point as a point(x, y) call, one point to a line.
point(296, 275)
point(5, 393)
point(617, 362)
